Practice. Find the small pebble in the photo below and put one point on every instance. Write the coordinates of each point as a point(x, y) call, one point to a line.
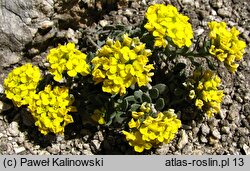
point(212, 140)
point(43, 153)
point(46, 24)
point(128, 13)
point(19, 150)
point(4, 106)
point(183, 139)
point(188, 2)
point(227, 100)
point(188, 149)
point(213, 12)
point(225, 12)
point(55, 149)
point(62, 146)
point(205, 129)
point(203, 139)
point(103, 23)
point(13, 129)
point(246, 149)
point(95, 146)
point(199, 31)
point(216, 133)
point(87, 152)
point(1, 88)
point(223, 113)
point(163, 149)
point(71, 35)
point(234, 112)
point(225, 130)
point(216, 3)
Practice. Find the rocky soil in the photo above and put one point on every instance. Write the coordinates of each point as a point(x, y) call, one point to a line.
point(30, 28)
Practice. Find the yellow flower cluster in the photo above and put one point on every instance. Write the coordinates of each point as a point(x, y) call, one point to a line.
point(119, 65)
point(98, 116)
point(225, 45)
point(50, 109)
point(166, 21)
point(206, 94)
point(20, 85)
point(147, 131)
point(67, 58)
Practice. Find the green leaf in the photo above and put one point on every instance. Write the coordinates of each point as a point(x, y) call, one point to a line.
point(146, 98)
point(160, 104)
point(184, 50)
point(90, 56)
point(124, 105)
point(207, 45)
point(138, 95)
point(161, 87)
point(100, 43)
point(210, 64)
point(118, 117)
point(130, 98)
point(134, 107)
point(144, 88)
point(154, 93)
point(110, 118)
point(108, 27)
point(120, 26)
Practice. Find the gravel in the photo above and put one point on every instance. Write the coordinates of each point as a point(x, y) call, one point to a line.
point(225, 12)
point(13, 129)
point(226, 133)
point(183, 139)
point(205, 129)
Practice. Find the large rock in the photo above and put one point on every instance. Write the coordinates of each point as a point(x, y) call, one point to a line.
point(19, 21)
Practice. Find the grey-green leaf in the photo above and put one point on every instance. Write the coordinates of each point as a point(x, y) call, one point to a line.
point(161, 87)
point(130, 98)
point(160, 104)
point(134, 107)
point(146, 98)
point(154, 93)
point(124, 105)
point(138, 95)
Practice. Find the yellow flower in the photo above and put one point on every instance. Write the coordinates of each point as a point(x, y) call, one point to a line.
point(137, 115)
point(127, 40)
point(134, 124)
point(99, 115)
point(160, 129)
point(135, 140)
point(192, 94)
point(225, 44)
point(145, 107)
point(21, 83)
point(199, 103)
point(67, 58)
point(160, 42)
point(147, 131)
point(207, 96)
point(50, 109)
point(118, 65)
point(165, 21)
